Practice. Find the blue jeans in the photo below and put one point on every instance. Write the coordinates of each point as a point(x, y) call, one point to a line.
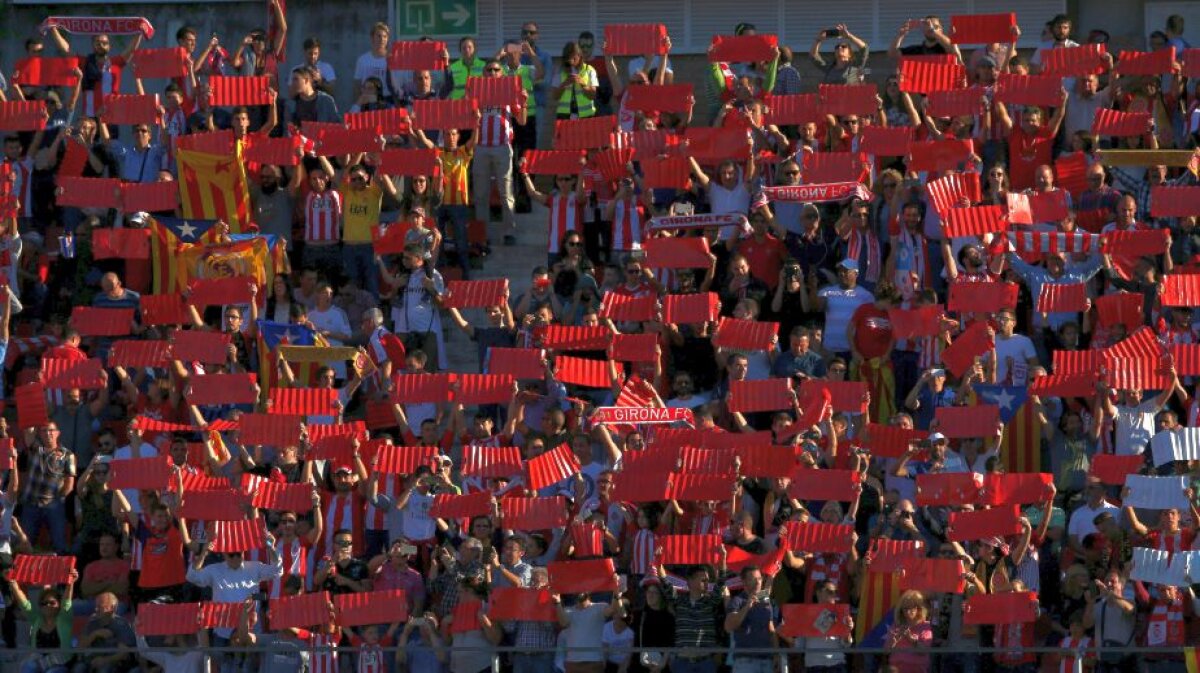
point(358, 264)
point(35, 666)
point(533, 663)
point(53, 517)
point(748, 665)
point(456, 217)
point(681, 665)
point(906, 373)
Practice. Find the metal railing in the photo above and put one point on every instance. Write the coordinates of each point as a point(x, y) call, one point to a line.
point(849, 651)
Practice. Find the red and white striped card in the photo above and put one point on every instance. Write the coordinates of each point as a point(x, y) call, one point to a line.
point(551, 467)
point(238, 91)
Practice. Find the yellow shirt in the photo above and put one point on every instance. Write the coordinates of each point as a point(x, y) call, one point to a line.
point(360, 212)
point(456, 166)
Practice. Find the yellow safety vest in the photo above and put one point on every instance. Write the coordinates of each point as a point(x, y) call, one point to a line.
point(584, 106)
point(459, 72)
point(526, 74)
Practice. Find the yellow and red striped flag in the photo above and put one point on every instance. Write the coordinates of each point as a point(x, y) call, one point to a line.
point(1191, 657)
point(1021, 449)
point(213, 186)
point(879, 593)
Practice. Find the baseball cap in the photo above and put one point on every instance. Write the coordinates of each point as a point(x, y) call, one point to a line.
point(986, 62)
point(848, 264)
point(343, 468)
point(937, 437)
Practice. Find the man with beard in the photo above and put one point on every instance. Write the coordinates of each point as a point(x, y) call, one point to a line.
point(273, 206)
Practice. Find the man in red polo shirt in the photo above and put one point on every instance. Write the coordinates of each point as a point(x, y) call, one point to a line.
point(764, 252)
point(1030, 143)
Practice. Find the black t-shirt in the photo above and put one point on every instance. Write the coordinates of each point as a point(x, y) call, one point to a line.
point(922, 49)
point(355, 570)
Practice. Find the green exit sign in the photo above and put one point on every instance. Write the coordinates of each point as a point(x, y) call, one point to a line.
point(414, 18)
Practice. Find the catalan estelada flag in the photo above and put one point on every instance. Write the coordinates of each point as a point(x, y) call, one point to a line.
point(1192, 657)
point(213, 186)
point(1021, 447)
point(168, 237)
point(879, 594)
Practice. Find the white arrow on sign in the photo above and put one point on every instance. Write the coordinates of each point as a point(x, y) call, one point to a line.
point(459, 16)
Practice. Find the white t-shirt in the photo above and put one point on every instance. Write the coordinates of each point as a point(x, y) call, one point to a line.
point(332, 319)
point(1134, 427)
point(584, 635)
point(616, 645)
point(1081, 524)
point(370, 65)
point(840, 305)
point(415, 522)
point(1018, 348)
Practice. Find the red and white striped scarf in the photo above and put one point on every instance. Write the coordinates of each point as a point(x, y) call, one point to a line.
point(860, 242)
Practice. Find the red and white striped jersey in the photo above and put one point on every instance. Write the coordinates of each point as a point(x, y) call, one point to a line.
point(1077, 647)
point(929, 351)
point(391, 485)
point(496, 127)
point(629, 217)
point(22, 170)
point(371, 659)
point(644, 546)
point(1172, 543)
point(339, 514)
point(107, 84)
point(1165, 627)
point(294, 555)
point(323, 660)
point(566, 214)
point(136, 547)
point(323, 216)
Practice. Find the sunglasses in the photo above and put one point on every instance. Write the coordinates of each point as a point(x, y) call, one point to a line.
point(574, 244)
point(492, 69)
point(343, 543)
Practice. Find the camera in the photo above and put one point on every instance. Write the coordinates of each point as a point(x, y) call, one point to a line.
point(833, 32)
point(791, 271)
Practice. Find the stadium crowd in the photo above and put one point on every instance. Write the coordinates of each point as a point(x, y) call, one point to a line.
point(810, 365)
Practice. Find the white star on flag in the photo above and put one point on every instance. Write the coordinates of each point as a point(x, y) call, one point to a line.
point(186, 230)
point(1003, 399)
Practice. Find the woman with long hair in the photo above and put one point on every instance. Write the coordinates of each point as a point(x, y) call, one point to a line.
point(49, 626)
point(577, 85)
point(910, 636)
point(279, 303)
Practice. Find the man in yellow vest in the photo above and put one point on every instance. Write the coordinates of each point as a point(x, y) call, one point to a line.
point(467, 66)
point(525, 136)
point(576, 88)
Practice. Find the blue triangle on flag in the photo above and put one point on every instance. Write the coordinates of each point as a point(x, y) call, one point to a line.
point(1008, 398)
point(187, 230)
point(274, 333)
